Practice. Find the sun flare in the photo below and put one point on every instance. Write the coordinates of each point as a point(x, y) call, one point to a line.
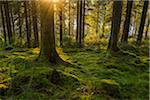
point(53, 0)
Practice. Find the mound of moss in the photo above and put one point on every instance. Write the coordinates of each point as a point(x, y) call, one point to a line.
point(43, 80)
point(129, 48)
point(3, 56)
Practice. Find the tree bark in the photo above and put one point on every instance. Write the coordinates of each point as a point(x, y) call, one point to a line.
point(97, 19)
point(69, 18)
point(77, 31)
point(141, 28)
point(20, 28)
point(83, 22)
point(12, 20)
point(27, 26)
point(103, 25)
point(61, 23)
point(80, 25)
point(146, 33)
point(8, 22)
point(127, 22)
point(29, 19)
point(3, 23)
point(115, 27)
point(135, 25)
point(48, 51)
point(35, 26)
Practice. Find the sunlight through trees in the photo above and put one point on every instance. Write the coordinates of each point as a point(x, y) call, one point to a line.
point(74, 49)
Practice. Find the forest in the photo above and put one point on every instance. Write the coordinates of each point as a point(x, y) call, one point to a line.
point(74, 49)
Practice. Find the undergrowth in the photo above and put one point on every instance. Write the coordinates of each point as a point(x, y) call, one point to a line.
point(94, 76)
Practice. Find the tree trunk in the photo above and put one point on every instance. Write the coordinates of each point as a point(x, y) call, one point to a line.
point(12, 20)
point(29, 19)
point(97, 20)
point(103, 25)
point(3, 23)
point(127, 22)
point(134, 23)
point(27, 26)
point(8, 22)
point(141, 28)
point(48, 51)
point(78, 10)
point(146, 36)
point(83, 22)
point(69, 18)
point(61, 22)
point(35, 26)
point(20, 28)
point(115, 27)
point(80, 25)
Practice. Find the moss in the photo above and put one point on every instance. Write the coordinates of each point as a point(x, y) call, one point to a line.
point(18, 60)
point(39, 79)
point(3, 56)
point(95, 75)
point(19, 50)
point(9, 48)
point(4, 81)
point(107, 87)
point(32, 78)
point(121, 67)
point(69, 80)
point(31, 95)
point(129, 48)
point(142, 67)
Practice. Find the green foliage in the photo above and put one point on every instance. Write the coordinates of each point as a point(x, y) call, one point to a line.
point(129, 48)
point(111, 87)
point(3, 56)
point(69, 42)
point(39, 80)
point(1, 42)
point(94, 76)
point(29, 94)
point(31, 78)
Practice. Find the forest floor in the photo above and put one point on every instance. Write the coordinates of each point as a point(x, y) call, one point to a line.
point(96, 75)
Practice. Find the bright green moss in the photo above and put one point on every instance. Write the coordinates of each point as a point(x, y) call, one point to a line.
point(95, 75)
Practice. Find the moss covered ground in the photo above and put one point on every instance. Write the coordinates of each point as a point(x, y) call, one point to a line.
point(95, 74)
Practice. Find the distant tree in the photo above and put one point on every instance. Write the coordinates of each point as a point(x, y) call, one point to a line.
point(78, 11)
point(80, 25)
point(135, 16)
point(147, 28)
point(61, 23)
point(143, 17)
point(97, 19)
point(80, 22)
point(35, 25)
point(103, 17)
point(115, 27)
point(48, 51)
point(20, 27)
point(19, 14)
point(83, 21)
point(12, 19)
point(8, 22)
point(3, 23)
point(29, 19)
point(127, 22)
point(27, 24)
point(69, 18)
point(135, 23)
